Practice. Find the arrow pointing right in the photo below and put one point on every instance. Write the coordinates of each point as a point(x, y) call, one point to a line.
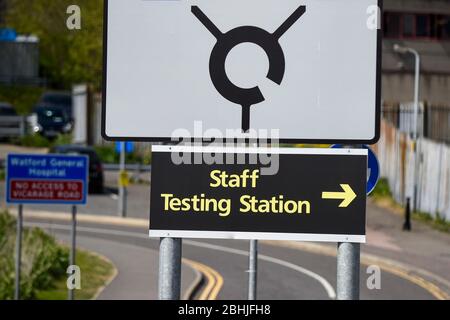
point(348, 195)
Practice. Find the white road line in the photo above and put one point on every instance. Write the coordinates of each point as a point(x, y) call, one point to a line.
point(325, 284)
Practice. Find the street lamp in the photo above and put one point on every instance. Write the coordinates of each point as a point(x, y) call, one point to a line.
point(404, 50)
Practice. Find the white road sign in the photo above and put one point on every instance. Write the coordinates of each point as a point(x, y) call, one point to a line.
point(309, 68)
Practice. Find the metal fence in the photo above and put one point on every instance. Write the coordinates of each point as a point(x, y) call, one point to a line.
point(433, 121)
point(396, 155)
point(12, 126)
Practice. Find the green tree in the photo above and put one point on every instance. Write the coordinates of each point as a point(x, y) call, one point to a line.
point(66, 56)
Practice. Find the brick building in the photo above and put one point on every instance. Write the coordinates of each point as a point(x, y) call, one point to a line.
point(423, 25)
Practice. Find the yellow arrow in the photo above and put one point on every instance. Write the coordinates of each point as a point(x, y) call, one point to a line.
point(347, 196)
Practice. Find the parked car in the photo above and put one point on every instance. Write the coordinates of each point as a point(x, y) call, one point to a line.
point(96, 175)
point(51, 121)
point(61, 99)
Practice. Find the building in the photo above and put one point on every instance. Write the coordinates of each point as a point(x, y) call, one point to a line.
point(2, 12)
point(425, 26)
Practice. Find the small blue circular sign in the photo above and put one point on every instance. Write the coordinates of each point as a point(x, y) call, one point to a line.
point(373, 168)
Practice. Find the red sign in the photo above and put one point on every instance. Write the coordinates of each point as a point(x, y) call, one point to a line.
point(44, 190)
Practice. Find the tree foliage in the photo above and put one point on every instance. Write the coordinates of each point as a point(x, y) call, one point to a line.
point(66, 56)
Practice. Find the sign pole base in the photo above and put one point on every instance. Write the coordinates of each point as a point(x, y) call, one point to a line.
point(18, 251)
point(71, 294)
point(348, 258)
point(169, 286)
point(253, 269)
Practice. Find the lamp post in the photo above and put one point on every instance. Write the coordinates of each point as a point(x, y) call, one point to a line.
point(404, 50)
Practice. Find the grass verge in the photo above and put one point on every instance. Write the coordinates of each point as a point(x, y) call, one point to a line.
point(437, 223)
point(96, 271)
point(44, 265)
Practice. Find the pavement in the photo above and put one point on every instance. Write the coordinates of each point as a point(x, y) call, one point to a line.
point(5, 149)
point(414, 264)
point(422, 247)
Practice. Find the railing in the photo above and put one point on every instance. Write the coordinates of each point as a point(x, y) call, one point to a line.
point(433, 121)
point(12, 126)
point(137, 167)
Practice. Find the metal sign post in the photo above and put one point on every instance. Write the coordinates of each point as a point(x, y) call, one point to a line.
point(18, 251)
point(320, 194)
point(169, 286)
point(348, 255)
point(253, 270)
point(46, 179)
point(122, 183)
point(348, 264)
point(73, 234)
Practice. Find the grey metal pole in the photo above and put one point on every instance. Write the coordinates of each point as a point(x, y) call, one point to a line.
point(169, 286)
point(122, 188)
point(348, 256)
point(71, 293)
point(415, 123)
point(252, 257)
point(348, 264)
point(19, 229)
point(403, 50)
point(252, 269)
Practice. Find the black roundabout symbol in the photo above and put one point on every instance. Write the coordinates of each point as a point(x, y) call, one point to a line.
point(246, 97)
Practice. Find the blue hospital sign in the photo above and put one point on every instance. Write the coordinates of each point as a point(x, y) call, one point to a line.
point(46, 179)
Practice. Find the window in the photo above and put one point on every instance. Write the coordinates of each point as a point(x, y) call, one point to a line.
point(399, 25)
point(422, 25)
point(408, 25)
point(443, 27)
point(391, 25)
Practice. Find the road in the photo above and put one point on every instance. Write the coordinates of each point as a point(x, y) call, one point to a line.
point(285, 270)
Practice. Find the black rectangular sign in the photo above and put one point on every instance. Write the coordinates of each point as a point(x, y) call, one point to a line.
point(310, 195)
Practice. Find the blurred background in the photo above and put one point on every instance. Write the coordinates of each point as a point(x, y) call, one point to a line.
point(50, 101)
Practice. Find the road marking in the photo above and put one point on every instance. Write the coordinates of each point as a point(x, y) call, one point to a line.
point(196, 284)
point(399, 269)
point(326, 285)
point(215, 280)
point(390, 266)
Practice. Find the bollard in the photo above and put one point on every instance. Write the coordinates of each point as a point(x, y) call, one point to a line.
point(407, 224)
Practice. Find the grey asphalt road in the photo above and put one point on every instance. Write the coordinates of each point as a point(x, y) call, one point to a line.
point(275, 279)
point(279, 276)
